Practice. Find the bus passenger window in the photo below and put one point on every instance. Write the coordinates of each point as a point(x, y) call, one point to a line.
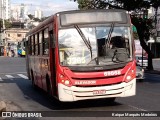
point(40, 42)
point(46, 43)
point(33, 43)
point(29, 45)
point(36, 44)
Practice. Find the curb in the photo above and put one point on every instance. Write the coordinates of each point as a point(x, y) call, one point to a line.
point(2, 106)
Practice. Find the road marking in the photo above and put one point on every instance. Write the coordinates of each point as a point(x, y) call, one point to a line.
point(1, 79)
point(140, 109)
point(23, 76)
point(14, 73)
point(9, 76)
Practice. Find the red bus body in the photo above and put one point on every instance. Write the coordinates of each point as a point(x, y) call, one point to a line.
point(66, 84)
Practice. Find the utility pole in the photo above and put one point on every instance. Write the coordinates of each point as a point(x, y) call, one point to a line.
point(3, 15)
point(156, 10)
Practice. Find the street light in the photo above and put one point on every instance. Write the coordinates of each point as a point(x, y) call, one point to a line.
point(3, 22)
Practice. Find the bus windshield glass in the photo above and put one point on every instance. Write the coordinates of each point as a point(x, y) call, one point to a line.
point(109, 45)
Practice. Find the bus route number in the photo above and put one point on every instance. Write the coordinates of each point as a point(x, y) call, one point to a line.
point(76, 60)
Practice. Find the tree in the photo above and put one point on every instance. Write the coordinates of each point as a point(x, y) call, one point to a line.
point(7, 24)
point(143, 25)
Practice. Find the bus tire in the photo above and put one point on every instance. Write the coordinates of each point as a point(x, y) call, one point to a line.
point(48, 86)
point(33, 81)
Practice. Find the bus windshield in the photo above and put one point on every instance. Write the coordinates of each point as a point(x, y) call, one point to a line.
point(108, 46)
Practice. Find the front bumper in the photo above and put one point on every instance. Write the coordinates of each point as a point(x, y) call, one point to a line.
point(82, 93)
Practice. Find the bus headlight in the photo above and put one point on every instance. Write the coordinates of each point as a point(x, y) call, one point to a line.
point(64, 80)
point(130, 75)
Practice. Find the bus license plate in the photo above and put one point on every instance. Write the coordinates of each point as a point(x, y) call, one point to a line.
point(99, 92)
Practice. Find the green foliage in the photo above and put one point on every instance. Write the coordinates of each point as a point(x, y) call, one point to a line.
point(7, 24)
point(91, 4)
point(135, 36)
point(129, 5)
point(31, 16)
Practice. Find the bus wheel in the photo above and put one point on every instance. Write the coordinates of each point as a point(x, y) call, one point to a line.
point(48, 85)
point(33, 81)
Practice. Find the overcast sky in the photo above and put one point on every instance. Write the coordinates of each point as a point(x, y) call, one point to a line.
point(47, 6)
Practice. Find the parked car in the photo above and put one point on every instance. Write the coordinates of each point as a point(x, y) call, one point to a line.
point(139, 61)
point(139, 73)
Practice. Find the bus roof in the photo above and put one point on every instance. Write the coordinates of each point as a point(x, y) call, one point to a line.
point(92, 10)
point(41, 25)
point(72, 17)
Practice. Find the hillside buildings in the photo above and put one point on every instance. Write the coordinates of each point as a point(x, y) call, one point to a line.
point(5, 9)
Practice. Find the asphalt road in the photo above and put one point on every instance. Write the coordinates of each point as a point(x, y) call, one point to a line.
point(17, 92)
point(12, 65)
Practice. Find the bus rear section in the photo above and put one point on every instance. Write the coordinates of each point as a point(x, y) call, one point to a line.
point(95, 55)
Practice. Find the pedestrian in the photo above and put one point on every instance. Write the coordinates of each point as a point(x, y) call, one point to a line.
point(12, 51)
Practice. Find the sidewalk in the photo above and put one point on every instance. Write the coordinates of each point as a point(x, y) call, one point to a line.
point(2, 106)
point(156, 63)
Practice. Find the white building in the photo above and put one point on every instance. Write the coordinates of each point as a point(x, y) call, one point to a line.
point(38, 14)
point(155, 43)
point(19, 12)
point(5, 9)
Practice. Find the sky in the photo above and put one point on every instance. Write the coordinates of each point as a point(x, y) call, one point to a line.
point(48, 7)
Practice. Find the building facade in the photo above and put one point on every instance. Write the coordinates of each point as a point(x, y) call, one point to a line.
point(154, 41)
point(13, 37)
point(155, 44)
point(15, 34)
point(38, 14)
point(5, 9)
point(19, 12)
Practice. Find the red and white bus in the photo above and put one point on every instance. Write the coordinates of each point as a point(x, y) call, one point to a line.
point(83, 54)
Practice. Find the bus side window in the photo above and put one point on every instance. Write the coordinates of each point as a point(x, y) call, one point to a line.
point(36, 40)
point(46, 42)
point(52, 42)
point(33, 45)
point(29, 46)
point(41, 34)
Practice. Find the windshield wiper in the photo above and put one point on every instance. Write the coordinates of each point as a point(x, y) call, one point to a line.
point(87, 42)
point(109, 37)
point(96, 60)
